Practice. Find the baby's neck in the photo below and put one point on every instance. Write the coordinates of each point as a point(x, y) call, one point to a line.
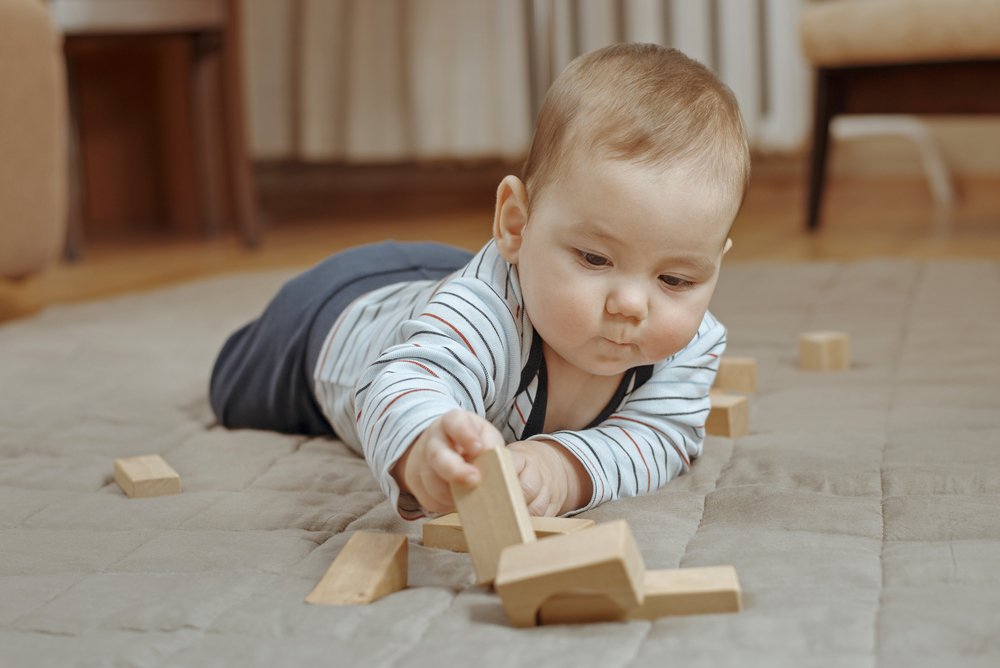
point(575, 397)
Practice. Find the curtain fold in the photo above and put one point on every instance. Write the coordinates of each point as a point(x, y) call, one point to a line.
point(387, 80)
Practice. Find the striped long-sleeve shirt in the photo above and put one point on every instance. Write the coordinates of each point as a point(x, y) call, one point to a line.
point(401, 356)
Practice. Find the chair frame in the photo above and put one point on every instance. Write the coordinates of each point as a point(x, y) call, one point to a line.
point(931, 88)
point(215, 34)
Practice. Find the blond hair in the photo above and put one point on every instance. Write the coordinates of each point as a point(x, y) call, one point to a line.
point(644, 103)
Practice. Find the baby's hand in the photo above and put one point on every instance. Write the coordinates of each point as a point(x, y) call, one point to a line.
point(553, 481)
point(440, 456)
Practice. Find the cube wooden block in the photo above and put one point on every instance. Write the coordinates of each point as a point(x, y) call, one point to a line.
point(446, 532)
point(674, 591)
point(602, 560)
point(370, 566)
point(730, 415)
point(494, 514)
point(737, 374)
point(824, 351)
point(146, 476)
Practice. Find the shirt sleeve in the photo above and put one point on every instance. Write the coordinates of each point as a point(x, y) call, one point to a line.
point(461, 352)
point(659, 428)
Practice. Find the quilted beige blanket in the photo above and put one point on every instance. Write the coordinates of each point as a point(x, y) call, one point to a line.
point(862, 513)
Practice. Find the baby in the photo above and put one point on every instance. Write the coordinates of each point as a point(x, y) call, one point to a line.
point(578, 337)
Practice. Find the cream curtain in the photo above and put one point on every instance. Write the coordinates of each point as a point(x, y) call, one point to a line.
point(387, 80)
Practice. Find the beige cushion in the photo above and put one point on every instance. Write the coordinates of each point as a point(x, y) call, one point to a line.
point(32, 138)
point(856, 32)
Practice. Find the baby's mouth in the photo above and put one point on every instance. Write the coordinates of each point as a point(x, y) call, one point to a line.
point(617, 342)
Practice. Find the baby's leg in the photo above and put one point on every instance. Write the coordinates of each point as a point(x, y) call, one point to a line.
point(262, 377)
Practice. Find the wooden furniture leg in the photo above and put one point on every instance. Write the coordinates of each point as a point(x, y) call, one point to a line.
point(238, 173)
point(822, 116)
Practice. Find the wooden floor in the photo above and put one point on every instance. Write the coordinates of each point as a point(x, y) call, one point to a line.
point(862, 218)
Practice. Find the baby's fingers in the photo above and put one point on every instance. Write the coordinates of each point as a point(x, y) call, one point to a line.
point(469, 434)
point(449, 466)
point(541, 505)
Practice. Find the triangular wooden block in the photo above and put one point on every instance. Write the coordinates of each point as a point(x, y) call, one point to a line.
point(369, 566)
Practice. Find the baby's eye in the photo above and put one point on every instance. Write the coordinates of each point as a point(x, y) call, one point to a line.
point(593, 259)
point(676, 282)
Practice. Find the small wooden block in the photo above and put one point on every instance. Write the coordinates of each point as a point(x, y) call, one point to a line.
point(674, 591)
point(493, 513)
point(601, 560)
point(446, 531)
point(370, 566)
point(730, 415)
point(146, 476)
point(737, 374)
point(824, 351)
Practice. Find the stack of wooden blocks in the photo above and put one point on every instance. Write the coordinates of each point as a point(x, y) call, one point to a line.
point(730, 414)
point(546, 570)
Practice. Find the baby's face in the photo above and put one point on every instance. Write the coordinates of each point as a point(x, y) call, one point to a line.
point(619, 261)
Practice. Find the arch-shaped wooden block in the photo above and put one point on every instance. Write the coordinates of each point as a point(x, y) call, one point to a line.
point(601, 560)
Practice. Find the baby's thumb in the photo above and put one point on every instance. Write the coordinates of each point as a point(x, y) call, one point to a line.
point(490, 436)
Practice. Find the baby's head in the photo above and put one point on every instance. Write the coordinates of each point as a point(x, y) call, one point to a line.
point(618, 225)
point(646, 104)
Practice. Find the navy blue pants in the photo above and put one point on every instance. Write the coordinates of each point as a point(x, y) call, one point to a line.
point(262, 378)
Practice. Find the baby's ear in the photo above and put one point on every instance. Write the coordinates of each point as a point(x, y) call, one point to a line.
point(510, 217)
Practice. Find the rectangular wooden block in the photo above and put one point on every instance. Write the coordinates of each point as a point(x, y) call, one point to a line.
point(737, 374)
point(446, 532)
point(674, 591)
point(602, 560)
point(146, 476)
point(730, 415)
point(824, 351)
point(493, 513)
point(370, 566)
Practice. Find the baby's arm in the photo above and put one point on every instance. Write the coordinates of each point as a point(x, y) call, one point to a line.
point(461, 354)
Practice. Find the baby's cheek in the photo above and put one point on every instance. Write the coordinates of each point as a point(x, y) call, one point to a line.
point(671, 336)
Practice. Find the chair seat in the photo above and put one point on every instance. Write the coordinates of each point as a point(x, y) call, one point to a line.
point(95, 17)
point(860, 32)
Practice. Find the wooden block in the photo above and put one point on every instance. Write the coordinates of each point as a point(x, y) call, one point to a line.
point(824, 351)
point(674, 591)
point(603, 559)
point(493, 513)
point(737, 374)
point(446, 531)
point(146, 476)
point(730, 415)
point(370, 566)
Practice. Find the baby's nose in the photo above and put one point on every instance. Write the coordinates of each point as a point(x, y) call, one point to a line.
point(627, 300)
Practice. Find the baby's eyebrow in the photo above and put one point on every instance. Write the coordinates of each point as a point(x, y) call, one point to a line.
point(699, 263)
